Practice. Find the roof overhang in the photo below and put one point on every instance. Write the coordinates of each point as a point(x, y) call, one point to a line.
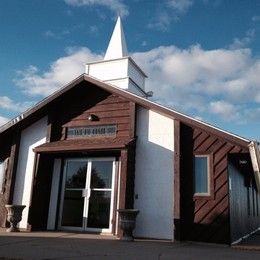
point(132, 97)
point(78, 145)
point(255, 159)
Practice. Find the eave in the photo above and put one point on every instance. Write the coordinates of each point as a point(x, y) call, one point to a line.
point(134, 98)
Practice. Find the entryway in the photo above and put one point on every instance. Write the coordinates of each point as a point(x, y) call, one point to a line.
point(87, 194)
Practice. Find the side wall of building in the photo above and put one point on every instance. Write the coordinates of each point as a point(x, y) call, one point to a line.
point(205, 218)
point(154, 175)
point(31, 137)
point(244, 197)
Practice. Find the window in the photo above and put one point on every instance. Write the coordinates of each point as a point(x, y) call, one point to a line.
point(201, 175)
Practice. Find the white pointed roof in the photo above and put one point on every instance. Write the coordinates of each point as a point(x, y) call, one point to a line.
point(117, 45)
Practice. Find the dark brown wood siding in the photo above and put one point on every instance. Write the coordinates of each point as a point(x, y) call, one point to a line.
point(39, 208)
point(244, 198)
point(9, 144)
point(205, 218)
point(75, 107)
point(73, 110)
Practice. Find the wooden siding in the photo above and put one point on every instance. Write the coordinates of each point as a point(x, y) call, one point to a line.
point(72, 110)
point(9, 150)
point(50, 103)
point(75, 107)
point(205, 218)
point(127, 180)
point(244, 198)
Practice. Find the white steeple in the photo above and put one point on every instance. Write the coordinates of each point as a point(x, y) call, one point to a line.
point(117, 45)
point(118, 68)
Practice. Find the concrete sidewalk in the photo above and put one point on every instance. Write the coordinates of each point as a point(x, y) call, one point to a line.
point(62, 245)
point(250, 243)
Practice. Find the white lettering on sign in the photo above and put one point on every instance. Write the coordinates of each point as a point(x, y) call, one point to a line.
point(92, 131)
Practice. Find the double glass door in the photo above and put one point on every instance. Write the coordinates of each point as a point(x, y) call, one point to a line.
point(87, 194)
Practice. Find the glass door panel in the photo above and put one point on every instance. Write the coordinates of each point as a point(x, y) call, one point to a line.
point(74, 186)
point(87, 200)
point(99, 211)
point(76, 172)
point(73, 207)
point(101, 175)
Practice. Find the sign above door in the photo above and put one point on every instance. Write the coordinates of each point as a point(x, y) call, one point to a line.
point(92, 131)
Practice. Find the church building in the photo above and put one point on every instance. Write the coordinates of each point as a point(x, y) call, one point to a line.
point(99, 144)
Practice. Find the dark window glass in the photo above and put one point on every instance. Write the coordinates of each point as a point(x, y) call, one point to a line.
point(73, 206)
point(76, 174)
point(99, 209)
point(201, 174)
point(101, 175)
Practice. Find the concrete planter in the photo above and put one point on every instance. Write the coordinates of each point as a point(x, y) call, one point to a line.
point(127, 222)
point(14, 216)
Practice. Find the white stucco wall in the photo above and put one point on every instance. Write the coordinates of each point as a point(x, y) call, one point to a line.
point(31, 137)
point(154, 175)
point(118, 72)
point(109, 70)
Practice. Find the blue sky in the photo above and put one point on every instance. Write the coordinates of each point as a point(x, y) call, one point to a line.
point(202, 57)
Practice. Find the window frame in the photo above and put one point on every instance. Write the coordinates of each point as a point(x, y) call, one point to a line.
point(210, 193)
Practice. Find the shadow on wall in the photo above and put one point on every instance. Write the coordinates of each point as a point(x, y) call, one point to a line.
point(202, 219)
point(244, 198)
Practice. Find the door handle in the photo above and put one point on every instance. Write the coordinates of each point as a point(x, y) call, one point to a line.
point(89, 193)
point(84, 193)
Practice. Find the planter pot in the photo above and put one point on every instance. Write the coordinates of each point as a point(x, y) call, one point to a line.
point(127, 222)
point(14, 216)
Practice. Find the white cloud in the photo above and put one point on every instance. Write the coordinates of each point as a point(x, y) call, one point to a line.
point(256, 18)
point(3, 120)
point(116, 6)
point(62, 71)
point(161, 22)
point(8, 104)
point(56, 35)
point(224, 109)
point(171, 10)
point(243, 42)
point(5, 102)
point(93, 29)
point(50, 34)
point(224, 83)
point(180, 5)
point(193, 79)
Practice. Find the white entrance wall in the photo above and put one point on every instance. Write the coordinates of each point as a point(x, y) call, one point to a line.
point(154, 175)
point(31, 137)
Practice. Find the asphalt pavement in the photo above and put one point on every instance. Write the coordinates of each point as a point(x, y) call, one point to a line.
point(65, 245)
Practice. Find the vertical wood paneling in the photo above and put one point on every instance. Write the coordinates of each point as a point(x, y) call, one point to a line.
point(244, 198)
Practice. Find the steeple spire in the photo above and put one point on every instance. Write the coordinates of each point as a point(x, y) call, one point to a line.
point(118, 68)
point(117, 45)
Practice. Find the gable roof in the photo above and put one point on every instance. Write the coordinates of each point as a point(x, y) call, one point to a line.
point(132, 97)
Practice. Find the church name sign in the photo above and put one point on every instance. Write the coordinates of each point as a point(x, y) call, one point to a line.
point(92, 131)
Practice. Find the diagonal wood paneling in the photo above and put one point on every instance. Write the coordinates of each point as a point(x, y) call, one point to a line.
point(205, 219)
